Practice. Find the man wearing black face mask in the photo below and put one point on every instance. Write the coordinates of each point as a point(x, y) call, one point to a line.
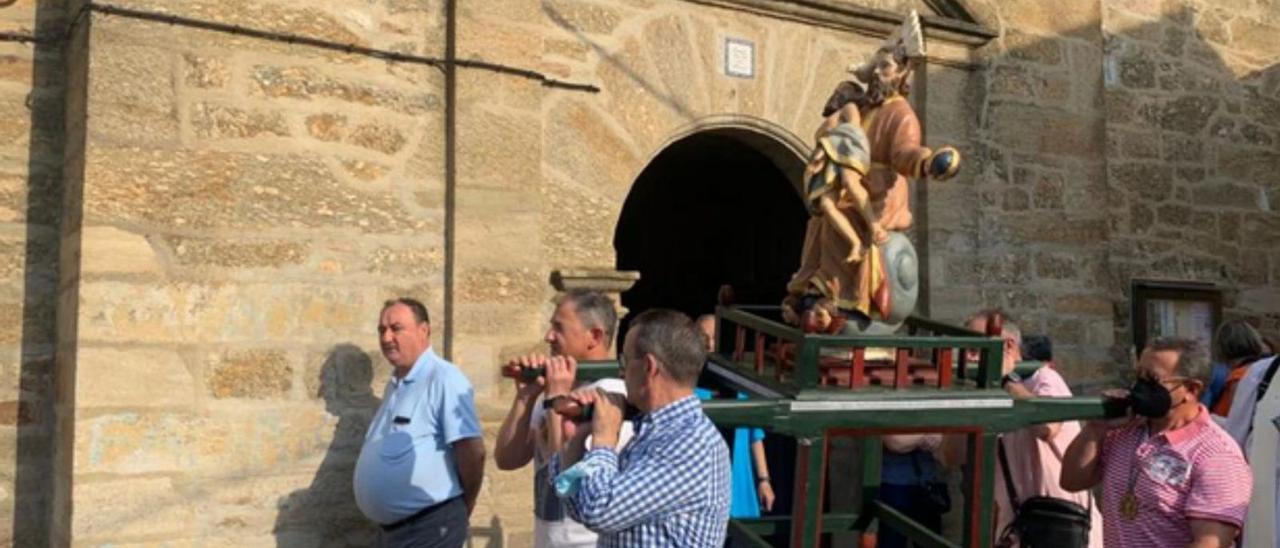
point(1170, 476)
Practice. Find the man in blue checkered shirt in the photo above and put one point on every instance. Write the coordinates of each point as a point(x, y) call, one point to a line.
point(670, 485)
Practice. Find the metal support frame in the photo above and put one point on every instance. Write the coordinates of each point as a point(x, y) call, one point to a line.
point(965, 400)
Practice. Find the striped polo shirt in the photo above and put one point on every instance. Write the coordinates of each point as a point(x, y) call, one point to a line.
point(1193, 472)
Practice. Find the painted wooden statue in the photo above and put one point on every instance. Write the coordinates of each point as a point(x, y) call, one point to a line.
point(855, 259)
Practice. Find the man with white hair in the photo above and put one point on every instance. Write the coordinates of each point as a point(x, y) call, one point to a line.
point(1033, 455)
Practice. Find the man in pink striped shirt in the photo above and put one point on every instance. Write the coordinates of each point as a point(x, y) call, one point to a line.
point(1170, 476)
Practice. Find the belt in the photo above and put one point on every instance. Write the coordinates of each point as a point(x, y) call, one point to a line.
point(419, 515)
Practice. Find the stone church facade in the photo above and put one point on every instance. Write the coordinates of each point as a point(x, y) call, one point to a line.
point(199, 221)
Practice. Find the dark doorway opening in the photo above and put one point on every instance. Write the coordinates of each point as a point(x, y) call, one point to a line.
point(711, 209)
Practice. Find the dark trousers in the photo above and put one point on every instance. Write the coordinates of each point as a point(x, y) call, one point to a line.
point(912, 501)
point(442, 526)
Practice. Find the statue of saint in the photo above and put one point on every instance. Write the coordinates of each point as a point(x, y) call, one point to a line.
point(868, 145)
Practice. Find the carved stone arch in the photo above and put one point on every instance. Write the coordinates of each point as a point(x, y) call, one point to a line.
point(785, 149)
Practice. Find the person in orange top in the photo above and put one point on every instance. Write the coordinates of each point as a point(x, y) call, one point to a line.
point(1237, 345)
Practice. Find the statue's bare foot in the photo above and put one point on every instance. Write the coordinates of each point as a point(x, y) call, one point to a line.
point(878, 234)
point(855, 253)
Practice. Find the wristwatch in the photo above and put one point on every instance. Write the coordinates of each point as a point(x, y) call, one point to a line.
point(1013, 376)
point(551, 402)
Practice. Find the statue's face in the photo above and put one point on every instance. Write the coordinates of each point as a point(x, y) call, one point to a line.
point(887, 69)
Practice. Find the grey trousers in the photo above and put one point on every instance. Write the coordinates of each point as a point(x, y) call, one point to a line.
point(444, 526)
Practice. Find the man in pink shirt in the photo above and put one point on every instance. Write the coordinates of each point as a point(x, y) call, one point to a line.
point(1034, 453)
point(1170, 476)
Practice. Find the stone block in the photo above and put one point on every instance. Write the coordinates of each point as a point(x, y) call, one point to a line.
point(251, 374)
point(584, 234)
point(378, 137)
point(503, 138)
point(605, 159)
point(501, 41)
point(182, 312)
point(119, 509)
point(416, 261)
point(1049, 230)
point(588, 18)
point(307, 83)
point(16, 69)
point(132, 377)
point(1048, 192)
point(137, 443)
point(205, 72)
point(1045, 50)
point(1258, 38)
point(131, 96)
point(1147, 181)
point(1051, 131)
point(368, 172)
point(107, 249)
point(241, 441)
point(1226, 195)
point(1229, 226)
point(672, 54)
point(31, 197)
point(1181, 149)
point(1085, 305)
point(322, 504)
point(1013, 81)
point(1174, 215)
point(1015, 199)
point(499, 228)
point(327, 127)
point(484, 285)
point(647, 115)
point(1137, 71)
point(208, 189)
point(1187, 114)
point(1055, 267)
point(214, 121)
point(201, 252)
point(574, 50)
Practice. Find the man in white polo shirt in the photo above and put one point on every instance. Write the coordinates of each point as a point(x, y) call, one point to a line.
point(423, 458)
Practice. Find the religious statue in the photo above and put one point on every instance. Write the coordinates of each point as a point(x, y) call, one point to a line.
point(855, 258)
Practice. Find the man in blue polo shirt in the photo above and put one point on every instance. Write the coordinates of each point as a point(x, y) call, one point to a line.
point(423, 458)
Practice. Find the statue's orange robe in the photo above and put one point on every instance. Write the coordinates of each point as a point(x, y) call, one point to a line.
point(893, 132)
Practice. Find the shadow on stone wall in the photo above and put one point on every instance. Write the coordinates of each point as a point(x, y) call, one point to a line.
point(33, 411)
point(325, 513)
point(1124, 149)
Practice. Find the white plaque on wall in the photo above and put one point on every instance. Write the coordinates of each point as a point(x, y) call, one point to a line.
point(739, 58)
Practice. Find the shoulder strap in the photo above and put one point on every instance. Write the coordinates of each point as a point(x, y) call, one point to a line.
point(1266, 380)
point(1008, 477)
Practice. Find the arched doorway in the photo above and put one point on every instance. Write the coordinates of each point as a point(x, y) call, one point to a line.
point(719, 206)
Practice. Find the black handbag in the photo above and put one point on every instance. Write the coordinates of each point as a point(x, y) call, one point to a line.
point(1044, 522)
point(938, 493)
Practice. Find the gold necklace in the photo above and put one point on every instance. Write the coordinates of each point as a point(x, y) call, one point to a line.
point(1129, 502)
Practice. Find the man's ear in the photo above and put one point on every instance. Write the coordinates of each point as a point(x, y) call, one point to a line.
point(651, 367)
point(597, 336)
point(1196, 386)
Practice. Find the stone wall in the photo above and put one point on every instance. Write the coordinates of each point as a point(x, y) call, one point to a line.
point(1027, 230)
point(247, 206)
point(231, 212)
point(32, 92)
point(1193, 149)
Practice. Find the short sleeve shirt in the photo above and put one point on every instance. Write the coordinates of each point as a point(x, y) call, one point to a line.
point(407, 462)
point(1194, 472)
